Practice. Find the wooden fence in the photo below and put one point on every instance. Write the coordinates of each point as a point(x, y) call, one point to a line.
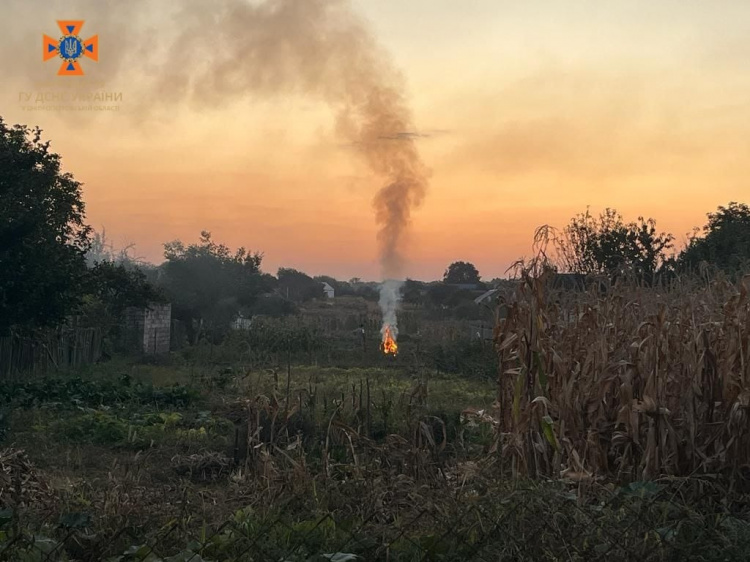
point(61, 349)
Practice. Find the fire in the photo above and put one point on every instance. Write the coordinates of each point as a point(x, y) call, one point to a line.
point(389, 345)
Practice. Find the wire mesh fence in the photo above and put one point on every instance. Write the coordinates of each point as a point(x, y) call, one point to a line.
point(676, 520)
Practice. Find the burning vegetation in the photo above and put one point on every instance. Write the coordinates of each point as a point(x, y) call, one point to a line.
point(389, 345)
point(390, 296)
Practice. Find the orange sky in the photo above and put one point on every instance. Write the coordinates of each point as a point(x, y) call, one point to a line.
point(533, 110)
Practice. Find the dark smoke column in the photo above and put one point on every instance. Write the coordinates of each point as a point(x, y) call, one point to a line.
point(317, 48)
point(209, 54)
point(392, 153)
point(390, 149)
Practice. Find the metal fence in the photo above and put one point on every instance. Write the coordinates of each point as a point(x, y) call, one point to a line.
point(642, 521)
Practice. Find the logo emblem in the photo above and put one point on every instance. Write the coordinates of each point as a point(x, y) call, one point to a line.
point(70, 47)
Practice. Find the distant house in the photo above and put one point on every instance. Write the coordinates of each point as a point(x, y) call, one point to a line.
point(242, 323)
point(328, 290)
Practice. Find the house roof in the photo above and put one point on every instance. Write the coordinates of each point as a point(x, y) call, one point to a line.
point(326, 286)
point(485, 296)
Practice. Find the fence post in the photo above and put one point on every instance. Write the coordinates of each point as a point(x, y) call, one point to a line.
point(369, 418)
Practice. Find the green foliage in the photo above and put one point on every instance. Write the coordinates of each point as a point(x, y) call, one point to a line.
point(469, 310)
point(103, 427)
point(269, 340)
point(520, 522)
point(725, 243)
point(274, 306)
point(461, 272)
point(110, 288)
point(297, 286)
point(119, 287)
point(372, 491)
point(413, 292)
point(445, 296)
point(43, 238)
point(607, 245)
point(368, 291)
point(440, 294)
point(63, 392)
point(208, 284)
point(302, 540)
point(98, 427)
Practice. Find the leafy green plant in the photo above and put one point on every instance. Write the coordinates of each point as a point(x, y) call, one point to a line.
point(73, 392)
point(92, 427)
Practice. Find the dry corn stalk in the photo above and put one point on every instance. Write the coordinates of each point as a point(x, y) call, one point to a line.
point(630, 381)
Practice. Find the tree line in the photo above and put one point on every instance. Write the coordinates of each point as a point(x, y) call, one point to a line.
point(53, 265)
point(607, 245)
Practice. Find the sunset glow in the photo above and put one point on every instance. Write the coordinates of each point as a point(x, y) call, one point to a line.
point(527, 113)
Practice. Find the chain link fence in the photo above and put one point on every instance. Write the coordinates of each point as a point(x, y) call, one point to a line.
point(651, 521)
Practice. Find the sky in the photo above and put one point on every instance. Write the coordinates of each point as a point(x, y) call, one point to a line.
point(527, 113)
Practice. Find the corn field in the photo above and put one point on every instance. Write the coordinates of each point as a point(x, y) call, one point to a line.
point(623, 381)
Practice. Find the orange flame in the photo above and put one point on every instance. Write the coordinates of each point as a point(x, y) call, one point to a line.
point(389, 345)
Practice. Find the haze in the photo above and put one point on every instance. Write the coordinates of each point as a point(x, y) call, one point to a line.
point(527, 112)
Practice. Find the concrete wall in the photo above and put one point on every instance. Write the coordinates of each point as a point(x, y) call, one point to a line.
point(157, 323)
point(148, 330)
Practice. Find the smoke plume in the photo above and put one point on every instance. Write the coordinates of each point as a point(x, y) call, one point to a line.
point(320, 48)
point(390, 295)
point(204, 54)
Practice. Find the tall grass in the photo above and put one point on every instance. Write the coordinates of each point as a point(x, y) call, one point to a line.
point(624, 381)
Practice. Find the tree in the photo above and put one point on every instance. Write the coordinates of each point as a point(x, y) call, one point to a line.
point(725, 243)
point(443, 294)
point(274, 305)
point(461, 272)
point(43, 238)
point(412, 292)
point(298, 286)
point(109, 289)
point(119, 287)
point(609, 246)
point(208, 284)
point(101, 249)
point(369, 291)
